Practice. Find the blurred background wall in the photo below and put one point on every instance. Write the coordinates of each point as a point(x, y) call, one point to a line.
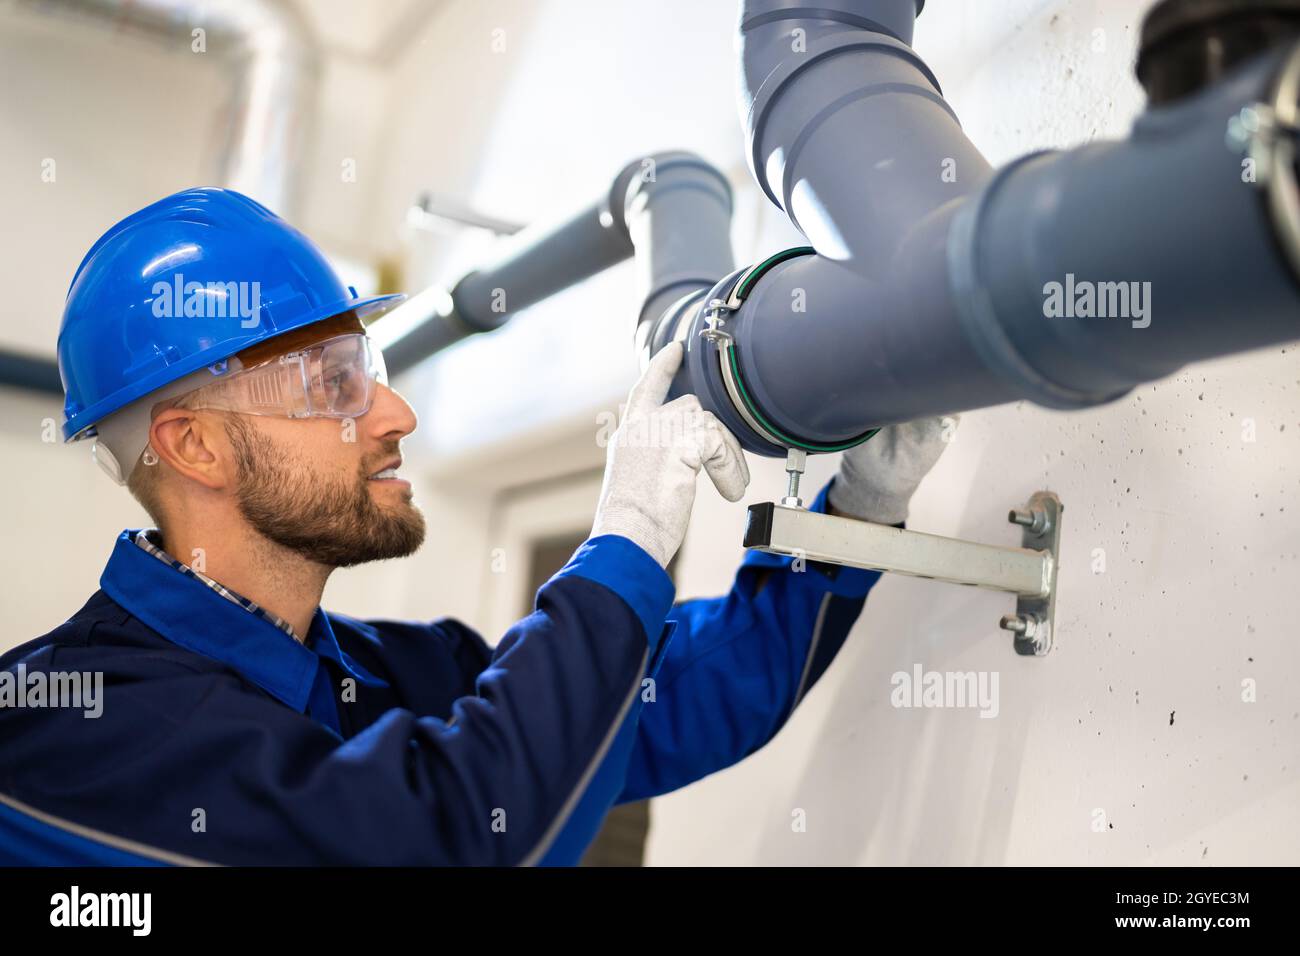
point(1131, 743)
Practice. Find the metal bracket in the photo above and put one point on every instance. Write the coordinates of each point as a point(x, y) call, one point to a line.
point(1029, 571)
point(429, 210)
point(1035, 618)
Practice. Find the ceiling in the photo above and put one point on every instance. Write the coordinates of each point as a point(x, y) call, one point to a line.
point(373, 30)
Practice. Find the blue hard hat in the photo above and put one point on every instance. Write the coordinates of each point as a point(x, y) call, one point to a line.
point(184, 284)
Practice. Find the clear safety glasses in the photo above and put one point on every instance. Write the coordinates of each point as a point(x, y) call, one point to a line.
point(331, 379)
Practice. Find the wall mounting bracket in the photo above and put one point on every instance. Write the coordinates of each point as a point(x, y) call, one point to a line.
point(1029, 571)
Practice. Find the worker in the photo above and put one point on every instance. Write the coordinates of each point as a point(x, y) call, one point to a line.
point(225, 375)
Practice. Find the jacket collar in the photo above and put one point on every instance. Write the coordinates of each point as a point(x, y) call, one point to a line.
point(192, 615)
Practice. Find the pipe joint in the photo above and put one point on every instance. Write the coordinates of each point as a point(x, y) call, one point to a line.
point(911, 76)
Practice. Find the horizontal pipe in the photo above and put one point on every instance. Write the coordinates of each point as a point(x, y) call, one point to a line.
point(861, 353)
point(538, 262)
point(422, 325)
point(672, 210)
point(29, 372)
point(1160, 227)
point(544, 262)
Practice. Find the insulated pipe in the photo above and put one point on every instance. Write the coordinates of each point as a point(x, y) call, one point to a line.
point(673, 210)
point(933, 282)
point(270, 108)
point(274, 86)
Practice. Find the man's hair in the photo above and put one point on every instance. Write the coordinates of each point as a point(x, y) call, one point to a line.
point(145, 481)
point(143, 485)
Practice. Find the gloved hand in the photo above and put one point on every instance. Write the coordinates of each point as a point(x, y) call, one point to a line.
point(877, 479)
point(653, 459)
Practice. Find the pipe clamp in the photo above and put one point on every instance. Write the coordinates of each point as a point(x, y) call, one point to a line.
point(716, 314)
point(1266, 133)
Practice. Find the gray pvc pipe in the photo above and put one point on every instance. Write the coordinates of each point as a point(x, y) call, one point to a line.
point(542, 264)
point(894, 18)
point(929, 292)
point(672, 209)
point(847, 129)
point(1167, 208)
point(678, 213)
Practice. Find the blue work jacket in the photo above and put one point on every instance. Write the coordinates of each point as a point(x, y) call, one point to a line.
point(221, 739)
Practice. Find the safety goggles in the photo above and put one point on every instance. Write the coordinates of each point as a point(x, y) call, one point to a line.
point(331, 379)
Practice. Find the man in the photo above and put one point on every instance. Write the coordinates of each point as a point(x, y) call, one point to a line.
point(225, 375)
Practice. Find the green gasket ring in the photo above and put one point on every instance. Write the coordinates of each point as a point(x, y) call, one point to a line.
point(742, 291)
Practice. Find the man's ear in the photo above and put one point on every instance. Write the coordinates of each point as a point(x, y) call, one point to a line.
point(195, 445)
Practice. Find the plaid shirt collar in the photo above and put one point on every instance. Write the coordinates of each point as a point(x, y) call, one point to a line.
point(150, 541)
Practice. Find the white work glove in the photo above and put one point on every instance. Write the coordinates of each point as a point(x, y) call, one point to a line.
point(877, 479)
point(654, 457)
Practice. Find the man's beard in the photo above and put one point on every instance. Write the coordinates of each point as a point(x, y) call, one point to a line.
point(333, 521)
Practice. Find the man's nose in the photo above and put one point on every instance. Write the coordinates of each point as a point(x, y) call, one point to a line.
point(390, 416)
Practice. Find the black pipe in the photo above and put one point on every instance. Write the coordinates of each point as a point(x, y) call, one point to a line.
point(30, 372)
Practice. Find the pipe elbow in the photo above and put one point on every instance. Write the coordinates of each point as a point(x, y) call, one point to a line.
point(281, 25)
point(821, 84)
point(638, 182)
point(675, 208)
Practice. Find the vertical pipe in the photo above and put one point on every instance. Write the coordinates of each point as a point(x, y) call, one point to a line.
point(273, 99)
point(848, 131)
point(678, 212)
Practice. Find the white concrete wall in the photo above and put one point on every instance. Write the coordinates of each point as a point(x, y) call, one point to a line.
point(1200, 539)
